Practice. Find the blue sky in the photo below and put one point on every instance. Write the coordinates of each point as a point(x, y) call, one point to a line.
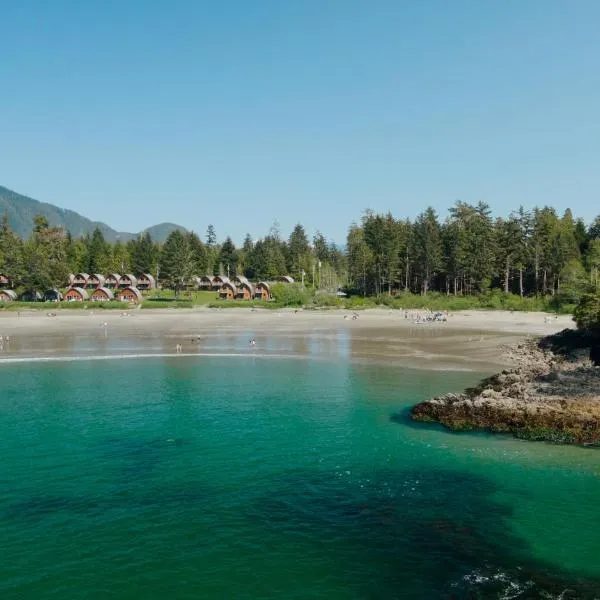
point(243, 112)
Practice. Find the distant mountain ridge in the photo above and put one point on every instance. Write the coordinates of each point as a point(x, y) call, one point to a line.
point(21, 210)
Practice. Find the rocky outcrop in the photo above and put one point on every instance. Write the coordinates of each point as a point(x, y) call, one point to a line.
point(552, 394)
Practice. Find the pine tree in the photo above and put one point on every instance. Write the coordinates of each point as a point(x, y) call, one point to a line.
point(381, 236)
point(245, 257)
point(228, 257)
point(200, 254)
point(474, 252)
point(298, 251)
point(522, 244)
point(98, 252)
point(143, 254)
point(565, 248)
point(274, 256)
point(359, 260)
point(592, 261)
point(212, 251)
point(545, 224)
point(594, 230)
point(427, 248)
point(177, 260)
point(11, 253)
point(45, 257)
point(120, 260)
point(257, 260)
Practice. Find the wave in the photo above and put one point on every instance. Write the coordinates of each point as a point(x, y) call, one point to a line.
point(42, 359)
point(512, 586)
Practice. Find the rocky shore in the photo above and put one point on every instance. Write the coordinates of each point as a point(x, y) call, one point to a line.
point(552, 394)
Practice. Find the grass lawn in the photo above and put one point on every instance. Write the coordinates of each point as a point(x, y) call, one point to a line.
point(168, 299)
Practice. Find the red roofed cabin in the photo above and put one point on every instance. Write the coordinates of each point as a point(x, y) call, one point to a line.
point(102, 294)
point(128, 281)
point(219, 280)
point(130, 294)
point(227, 291)
point(7, 295)
point(262, 291)
point(4, 281)
point(238, 280)
point(95, 281)
point(245, 291)
point(76, 294)
point(80, 280)
point(112, 281)
point(206, 282)
point(146, 282)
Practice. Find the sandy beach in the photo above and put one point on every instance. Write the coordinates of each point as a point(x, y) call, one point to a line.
point(468, 340)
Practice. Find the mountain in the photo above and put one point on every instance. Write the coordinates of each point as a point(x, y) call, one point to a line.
point(21, 210)
point(161, 231)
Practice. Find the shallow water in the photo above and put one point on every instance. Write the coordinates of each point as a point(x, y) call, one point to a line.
point(249, 477)
point(433, 345)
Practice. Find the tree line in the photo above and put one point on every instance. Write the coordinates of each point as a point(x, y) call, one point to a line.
point(46, 258)
point(537, 252)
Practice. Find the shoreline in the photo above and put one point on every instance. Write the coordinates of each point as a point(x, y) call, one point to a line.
point(551, 395)
point(467, 341)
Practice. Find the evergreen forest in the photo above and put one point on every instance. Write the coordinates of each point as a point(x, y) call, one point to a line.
point(467, 252)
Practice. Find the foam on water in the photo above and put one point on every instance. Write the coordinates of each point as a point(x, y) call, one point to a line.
point(107, 357)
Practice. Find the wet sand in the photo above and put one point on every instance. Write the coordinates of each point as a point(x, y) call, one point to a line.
point(468, 340)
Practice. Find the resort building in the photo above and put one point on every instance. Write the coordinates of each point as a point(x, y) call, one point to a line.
point(31, 296)
point(285, 279)
point(128, 281)
point(227, 291)
point(262, 291)
point(7, 295)
point(146, 282)
point(4, 280)
point(71, 278)
point(245, 291)
point(238, 280)
point(130, 294)
point(80, 280)
point(102, 294)
point(95, 281)
point(112, 281)
point(76, 294)
point(194, 283)
point(219, 280)
point(206, 283)
point(52, 295)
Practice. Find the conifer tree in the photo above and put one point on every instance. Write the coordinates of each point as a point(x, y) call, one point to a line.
point(228, 258)
point(11, 253)
point(427, 248)
point(177, 261)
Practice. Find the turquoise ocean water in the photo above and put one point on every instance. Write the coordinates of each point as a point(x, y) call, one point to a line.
point(246, 477)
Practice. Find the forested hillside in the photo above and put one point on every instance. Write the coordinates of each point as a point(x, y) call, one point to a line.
point(21, 211)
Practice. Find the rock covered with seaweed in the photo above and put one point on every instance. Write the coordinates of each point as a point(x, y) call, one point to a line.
point(552, 394)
